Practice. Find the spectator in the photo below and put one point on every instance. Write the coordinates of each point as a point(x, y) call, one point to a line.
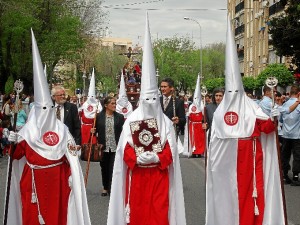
point(109, 125)
point(172, 107)
point(290, 118)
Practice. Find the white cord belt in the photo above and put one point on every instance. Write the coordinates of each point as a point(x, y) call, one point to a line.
point(34, 197)
point(147, 166)
point(254, 193)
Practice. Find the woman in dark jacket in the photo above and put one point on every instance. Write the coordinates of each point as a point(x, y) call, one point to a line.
point(108, 127)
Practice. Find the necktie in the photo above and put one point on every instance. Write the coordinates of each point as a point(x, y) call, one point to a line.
point(166, 102)
point(58, 112)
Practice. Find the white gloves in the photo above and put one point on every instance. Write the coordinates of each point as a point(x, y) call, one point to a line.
point(13, 137)
point(147, 158)
point(274, 113)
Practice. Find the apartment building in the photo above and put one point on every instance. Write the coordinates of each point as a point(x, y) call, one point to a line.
point(250, 20)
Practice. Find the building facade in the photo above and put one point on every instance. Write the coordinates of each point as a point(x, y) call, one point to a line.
point(250, 20)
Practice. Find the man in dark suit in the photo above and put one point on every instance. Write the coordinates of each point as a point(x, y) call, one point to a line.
point(217, 97)
point(67, 112)
point(167, 103)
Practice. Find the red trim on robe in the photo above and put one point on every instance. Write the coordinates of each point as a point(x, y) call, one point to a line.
point(52, 186)
point(197, 133)
point(245, 175)
point(86, 129)
point(149, 190)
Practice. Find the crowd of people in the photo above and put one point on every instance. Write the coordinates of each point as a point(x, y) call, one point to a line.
point(139, 150)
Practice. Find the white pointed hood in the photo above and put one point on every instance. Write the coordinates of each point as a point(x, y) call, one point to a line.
point(92, 92)
point(43, 132)
point(197, 105)
point(91, 105)
point(149, 104)
point(235, 116)
point(123, 105)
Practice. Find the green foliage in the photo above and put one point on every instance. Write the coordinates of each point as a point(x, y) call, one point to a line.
point(179, 59)
point(250, 83)
point(9, 85)
point(213, 83)
point(108, 64)
point(58, 34)
point(279, 71)
point(108, 84)
point(285, 31)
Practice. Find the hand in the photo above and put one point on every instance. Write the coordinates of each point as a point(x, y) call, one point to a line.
point(147, 158)
point(204, 126)
point(274, 113)
point(93, 130)
point(175, 120)
point(13, 137)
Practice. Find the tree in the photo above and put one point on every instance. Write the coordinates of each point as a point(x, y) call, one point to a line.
point(213, 83)
point(58, 30)
point(279, 71)
point(9, 85)
point(108, 64)
point(179, 59)
point(250, 83)
point(285, 31)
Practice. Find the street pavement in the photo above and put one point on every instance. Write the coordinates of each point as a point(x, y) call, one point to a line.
point(193, 185)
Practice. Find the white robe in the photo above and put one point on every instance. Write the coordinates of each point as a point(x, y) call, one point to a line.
point(78, 213)
point(116, 210)
point(222, 206)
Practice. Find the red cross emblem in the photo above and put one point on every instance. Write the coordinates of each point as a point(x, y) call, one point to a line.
point(124, 110)
point(50, 138)
point(231, 118)
point(90, 108)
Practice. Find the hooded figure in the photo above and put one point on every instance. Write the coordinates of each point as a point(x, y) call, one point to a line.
point(124, 106)
point(47, 185)
point(147, 185)
point(243, 181)
point(194, 133)
point(88, 111)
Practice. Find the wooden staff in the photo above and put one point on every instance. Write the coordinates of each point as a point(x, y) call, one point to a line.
point(204, 93)
point(272, 82)
point(90, 150)
point(18, 86)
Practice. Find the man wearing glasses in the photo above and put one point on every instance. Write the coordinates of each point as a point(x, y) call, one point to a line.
point(67, 112)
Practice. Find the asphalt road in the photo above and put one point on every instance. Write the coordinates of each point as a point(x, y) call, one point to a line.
point(194, 193)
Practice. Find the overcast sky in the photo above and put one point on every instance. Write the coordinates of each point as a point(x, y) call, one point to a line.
point(166, 19)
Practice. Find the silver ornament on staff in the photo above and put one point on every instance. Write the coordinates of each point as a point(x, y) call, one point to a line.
point(18, 87)
point(203, 93)
point(272, 82)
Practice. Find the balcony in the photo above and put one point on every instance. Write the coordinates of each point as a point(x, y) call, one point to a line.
point(277, 7)
point(239, 7)
point(240, 53)
point(239, 30)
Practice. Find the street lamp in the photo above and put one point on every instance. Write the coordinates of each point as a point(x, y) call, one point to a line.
point(192, 19)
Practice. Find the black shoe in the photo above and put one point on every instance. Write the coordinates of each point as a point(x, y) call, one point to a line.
point(104, 194)
point(295, 181)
